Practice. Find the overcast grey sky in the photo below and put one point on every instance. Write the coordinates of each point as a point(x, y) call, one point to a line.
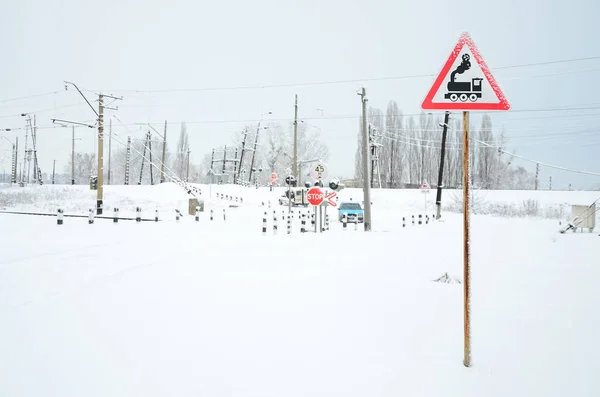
point(127, 45)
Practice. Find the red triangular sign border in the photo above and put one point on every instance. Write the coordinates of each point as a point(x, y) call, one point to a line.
point(428, 103)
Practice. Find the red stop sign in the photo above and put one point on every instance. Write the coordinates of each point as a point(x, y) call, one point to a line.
point(315, 195)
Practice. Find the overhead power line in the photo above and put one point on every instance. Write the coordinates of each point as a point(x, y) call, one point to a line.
point(539, 162)
point(29, 96)
point(322, 82)
point(347, 81)
point(332, 117)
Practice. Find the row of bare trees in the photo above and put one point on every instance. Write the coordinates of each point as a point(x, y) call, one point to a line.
point(410, 149)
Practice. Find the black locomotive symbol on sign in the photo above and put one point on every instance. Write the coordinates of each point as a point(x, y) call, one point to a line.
point(463, 90)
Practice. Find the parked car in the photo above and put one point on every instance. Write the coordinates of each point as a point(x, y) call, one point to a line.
point(353, 211)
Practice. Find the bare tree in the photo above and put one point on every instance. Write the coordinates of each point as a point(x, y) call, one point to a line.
point(85, 167)
point(487, 161)
point(393, 155)
point(275, 144)
point(358, 159)
point(183, 145)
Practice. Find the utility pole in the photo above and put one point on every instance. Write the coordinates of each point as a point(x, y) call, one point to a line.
point(164, 155)
point(100, 115)
point(16, 158)
point(438, 198)
point(187, 172)
point(73, 156)
point(100, 192)
point(109, 147)
point(100, 176)
point(53, 171)
point(235, 167)
point(254, 152)
point(27, 153)
point(372, 148)
point(13, 165)
point(33, 143)
point(143, 160)
point(365, 159)
point(537, 175)
point(242, 154)
point(550, 184)
point(391, 182)
point(374, 156)
point(295, 160)
point(150, 158)
point(127, 160)
point(13, 160)
point(224, 159)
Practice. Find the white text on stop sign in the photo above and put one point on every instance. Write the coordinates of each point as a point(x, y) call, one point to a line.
point(315, 196)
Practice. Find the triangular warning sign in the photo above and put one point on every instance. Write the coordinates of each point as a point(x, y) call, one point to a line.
point(425, 185)
point(465, 82)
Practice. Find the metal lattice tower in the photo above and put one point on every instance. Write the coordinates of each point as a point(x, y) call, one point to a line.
point(147, 147)
point(374, 146)
point(127, 160)
point(13, 175)
point(226, 165)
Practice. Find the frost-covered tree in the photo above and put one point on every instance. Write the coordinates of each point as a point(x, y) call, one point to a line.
point(85, 166)
point(181, 155)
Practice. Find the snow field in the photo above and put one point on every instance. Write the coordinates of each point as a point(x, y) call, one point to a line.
point(217, 309)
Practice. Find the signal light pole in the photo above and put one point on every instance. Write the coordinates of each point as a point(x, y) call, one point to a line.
point(438, 198)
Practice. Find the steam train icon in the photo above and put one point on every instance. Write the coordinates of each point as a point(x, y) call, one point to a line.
point(463, 90)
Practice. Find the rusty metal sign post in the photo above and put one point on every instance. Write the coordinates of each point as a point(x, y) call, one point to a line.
point(466, 243)
point(465, 84)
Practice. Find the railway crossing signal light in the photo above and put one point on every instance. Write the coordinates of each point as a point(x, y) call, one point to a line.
point(335, 185)
point(290, 180)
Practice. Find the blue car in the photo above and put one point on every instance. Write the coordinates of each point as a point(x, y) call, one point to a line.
point(353, 211)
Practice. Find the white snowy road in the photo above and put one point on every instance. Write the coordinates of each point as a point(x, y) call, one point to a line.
point(201, 309)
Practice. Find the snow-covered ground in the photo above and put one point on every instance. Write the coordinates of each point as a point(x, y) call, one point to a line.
point(217, 309)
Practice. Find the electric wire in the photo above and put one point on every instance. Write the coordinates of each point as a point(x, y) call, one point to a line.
point(322, 82)
point(346, 81)
point(502, 151)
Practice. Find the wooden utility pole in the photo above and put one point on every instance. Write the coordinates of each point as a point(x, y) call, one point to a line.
point(365, 159)
point(466, 243)
point(100, 173)
point(164, 155)
point(100, 192)
point(73, 155)
point(537, 176)
point(109, 147)
point(438, 198)
point(53, 171)
point(295, 160)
